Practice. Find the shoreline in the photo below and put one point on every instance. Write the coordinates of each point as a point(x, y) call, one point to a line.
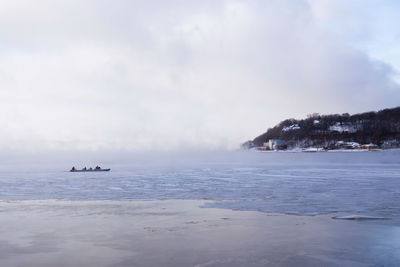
point(304, 150)
point(181, 233)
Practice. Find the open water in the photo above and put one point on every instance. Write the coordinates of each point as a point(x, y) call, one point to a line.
point(365, 183)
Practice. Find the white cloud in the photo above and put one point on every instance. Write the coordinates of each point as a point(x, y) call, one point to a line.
point(141, 75)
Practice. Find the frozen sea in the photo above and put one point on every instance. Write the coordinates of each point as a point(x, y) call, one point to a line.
point(366, 183)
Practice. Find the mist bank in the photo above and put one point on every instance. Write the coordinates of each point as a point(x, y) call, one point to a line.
point(143, 75)
point(108, 157)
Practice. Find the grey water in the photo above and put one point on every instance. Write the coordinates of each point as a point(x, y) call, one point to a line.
point(291, 183)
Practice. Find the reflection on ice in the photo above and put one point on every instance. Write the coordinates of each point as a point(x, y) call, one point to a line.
point(360, 217)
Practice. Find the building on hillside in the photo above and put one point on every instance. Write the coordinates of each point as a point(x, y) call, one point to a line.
point(347, 145)
point(277, 144)
point(341, 127)
point(394, 143)
point(370, 146)
point(292, 127)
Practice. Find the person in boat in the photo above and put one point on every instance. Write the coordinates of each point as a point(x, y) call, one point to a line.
point(90, 169)
point(84, 169)
point(97, 167)
point(73, 169)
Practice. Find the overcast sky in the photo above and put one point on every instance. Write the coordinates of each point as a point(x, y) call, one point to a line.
point(179, 74)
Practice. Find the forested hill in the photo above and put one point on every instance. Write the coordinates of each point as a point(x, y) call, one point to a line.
point(368, 127)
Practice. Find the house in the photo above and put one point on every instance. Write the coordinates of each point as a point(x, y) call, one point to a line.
point(277, 144)
point(347, 145)
point(341, 127)
point(291, 128)
point(370, 146)
point(391, 143)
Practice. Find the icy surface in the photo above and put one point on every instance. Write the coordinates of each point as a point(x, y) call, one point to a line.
point(293, 183)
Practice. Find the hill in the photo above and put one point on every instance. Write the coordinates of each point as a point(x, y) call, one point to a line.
point(381, 128)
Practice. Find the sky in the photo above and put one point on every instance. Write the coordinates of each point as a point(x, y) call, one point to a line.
point(89, 75)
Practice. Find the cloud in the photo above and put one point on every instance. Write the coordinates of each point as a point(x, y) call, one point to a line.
point(140, 75)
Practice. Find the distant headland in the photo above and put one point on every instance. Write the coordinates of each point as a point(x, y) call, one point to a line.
point(370, 130)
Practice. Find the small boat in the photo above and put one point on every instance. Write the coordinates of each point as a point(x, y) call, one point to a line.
point(97, 169)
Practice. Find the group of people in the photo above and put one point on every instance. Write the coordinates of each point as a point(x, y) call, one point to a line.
point(86, 169)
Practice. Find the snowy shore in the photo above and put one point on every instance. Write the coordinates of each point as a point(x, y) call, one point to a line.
point(315, 149)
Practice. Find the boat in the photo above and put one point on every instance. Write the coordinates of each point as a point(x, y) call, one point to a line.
point(97, 169)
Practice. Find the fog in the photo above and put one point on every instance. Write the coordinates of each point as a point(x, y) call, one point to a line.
point(133, 76)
